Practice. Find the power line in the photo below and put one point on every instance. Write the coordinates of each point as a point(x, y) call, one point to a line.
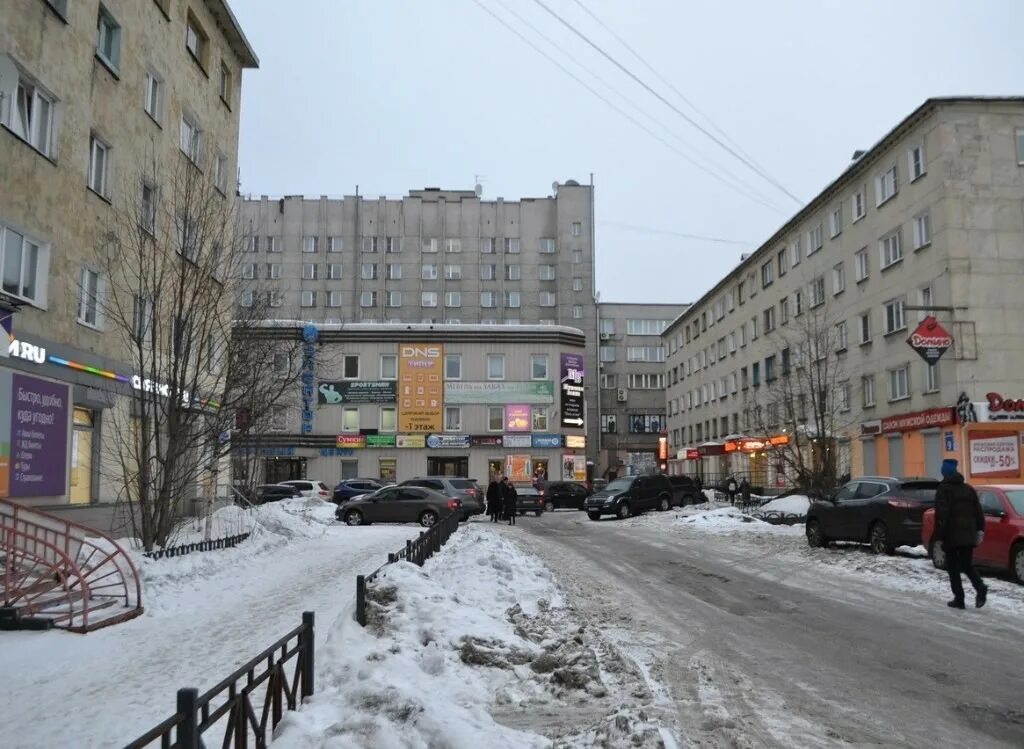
point(672, 233)
point(669, 104)
point(664, 80)
point(746, 192)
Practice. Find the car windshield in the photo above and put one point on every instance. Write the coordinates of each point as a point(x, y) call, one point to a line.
point(619, 485)
point(527, 491)
point(463, 483)
point(1017, 500)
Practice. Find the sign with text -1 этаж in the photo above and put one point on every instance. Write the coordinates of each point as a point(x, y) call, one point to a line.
point(930, 340)
point(571, 389)
point(34, 440)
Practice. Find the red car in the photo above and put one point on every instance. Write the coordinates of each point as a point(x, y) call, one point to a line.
point(1003, 547)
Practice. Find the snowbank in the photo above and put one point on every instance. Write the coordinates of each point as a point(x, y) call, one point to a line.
point(729, 520)
point(796, 504)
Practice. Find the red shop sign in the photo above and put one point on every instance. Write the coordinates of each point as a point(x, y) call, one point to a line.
point(930, 340)
point(933, 417)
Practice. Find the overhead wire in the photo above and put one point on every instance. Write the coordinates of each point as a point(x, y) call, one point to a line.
point(671, 233)
point(714, 138)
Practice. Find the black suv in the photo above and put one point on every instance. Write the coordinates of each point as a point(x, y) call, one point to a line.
point(629, 495)
point(685, 491)
point(882, 511)
point(559, 494)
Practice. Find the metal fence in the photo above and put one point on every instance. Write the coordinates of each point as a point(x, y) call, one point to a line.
point(248, 704)
point(227, 542)
point(417, 551)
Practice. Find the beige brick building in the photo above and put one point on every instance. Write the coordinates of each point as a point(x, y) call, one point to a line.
point(931, 216)
point(91, 94)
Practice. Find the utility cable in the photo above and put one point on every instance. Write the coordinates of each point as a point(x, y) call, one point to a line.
point(671, 233)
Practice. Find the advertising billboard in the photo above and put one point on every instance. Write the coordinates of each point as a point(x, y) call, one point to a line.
point(421, 387)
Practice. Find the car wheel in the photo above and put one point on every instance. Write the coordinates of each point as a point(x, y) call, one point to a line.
point(879, 539)
point(539, 513)
point(624, 511)
point(938, 554)
point(664, 504)
point(428, 518)
point(815, 537)
point(1017, 562)
point(548, 507)
point(353, 517)
point(594, 515)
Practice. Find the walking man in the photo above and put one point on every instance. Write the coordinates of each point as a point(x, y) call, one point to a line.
point(494, 499)
point(959, 526)
point(731, 488)
point(745, 493)
point(509, 496)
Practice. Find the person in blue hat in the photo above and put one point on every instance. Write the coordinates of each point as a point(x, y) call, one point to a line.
point(960, 526)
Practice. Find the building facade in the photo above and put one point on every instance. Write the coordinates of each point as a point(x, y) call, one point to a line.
point(433, 257)
point(396, 401)
point(631, 362)
point(927, 223)
point(90, 93)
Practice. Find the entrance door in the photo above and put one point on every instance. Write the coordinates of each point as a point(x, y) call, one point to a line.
point(896, 455)
point(276, 470)
point(448, 466)
point(81, 457)
point(932, 453)
point(495, 468)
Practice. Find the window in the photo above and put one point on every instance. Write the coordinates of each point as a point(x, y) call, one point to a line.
point(607, 353)
point(645, 353)
point(99, 166)
point(196, 41)
point(334, 270)
point(453, 272)
point(90, 288)
point(835, 222)
point(334, 299)
point(867, 385)
point(249, 271)
point(546, 272)
point(865, 328)
point(453, 299)
point(858, 205)
point(814, 241)
point(369, 244)
point(495, 418)
point(309, 271)
point(335, 244)
point(547, 299)
point(226, 83)
point(769, 371)
point(861, 265)
point(769, 320)
point(798, 303)
point(220, 173)
point(886, 186)
point(817, 292)
point(890, 249)
point(350, 419)
point(428, 299)
point(394, 298)
point(142, 320)
point(577, 228)
point(839, 278)
point(931, 378)
point(273, 245)
point(279, 418)
point(766, 275)
point(577, 257)
point(487, 245)
point(539, 418)
point(796, 252)
point(392, 271)
point(783, 263)
point(755, 374)
point(453, 366)
point(308, 299)
point(428, 272)
point(577, 312)
point(154, 102)
point(843, 396)
point(513, 273)
point(276, 299)
point(608, 381)
point(368, 299)
point(538, 367)
point(899, 385)
point(368, 271)
point(842, 336)
point(388, 419)
point(547, 246)
point(453, 245)
point(393, 245)
point(495, 366)
point(512, 245)
point(577, 284)
point(488, 299)
point(452, 418)
point(1020, 146)
point(918, 165)
point(922, 231)
point(246, 298)
point(646, 423)
point(785, 356)
point(108, 39)
point(754, 329)
point(925, 298)
point(191, 139)
point(148, 207)
point(512, 299)
point(645, 327)
point(350, 366)
point(894, 316)
point(487, 272)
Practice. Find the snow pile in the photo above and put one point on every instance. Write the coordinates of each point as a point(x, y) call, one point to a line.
point(795, 504)
point(728, 520)
point(298, 517)
point(468, 651)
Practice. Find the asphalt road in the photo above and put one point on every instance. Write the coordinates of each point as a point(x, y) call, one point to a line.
point(755, 649)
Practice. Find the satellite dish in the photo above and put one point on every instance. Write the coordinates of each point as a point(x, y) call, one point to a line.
point(554, 187)
point(478, 189)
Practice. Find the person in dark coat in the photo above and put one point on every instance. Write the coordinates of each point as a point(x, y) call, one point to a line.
point(509, 496)
point(494, 499)
point(960, 526)
point(731, 488)
point(745, 492)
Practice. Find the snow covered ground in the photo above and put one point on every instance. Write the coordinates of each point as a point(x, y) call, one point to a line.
point(796, 504)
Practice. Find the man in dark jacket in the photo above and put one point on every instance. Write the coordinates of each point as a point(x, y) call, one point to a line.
point(494, 499)
point(510, 497)
point(745, 492)
point(960, 526)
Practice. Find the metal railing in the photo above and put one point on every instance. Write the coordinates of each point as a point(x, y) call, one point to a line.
point(417, 551)
point(261, 683)
point(227, 542)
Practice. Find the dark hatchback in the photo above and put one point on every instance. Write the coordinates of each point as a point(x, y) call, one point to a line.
point(882, 511)
point(629, 495)
point(529, 499)
point(558, 495)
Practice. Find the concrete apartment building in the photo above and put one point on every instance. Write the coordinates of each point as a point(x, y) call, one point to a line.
point(91, 92)
point(631, 362)
point(434, 257)
point(398, 401)
point(931, 216)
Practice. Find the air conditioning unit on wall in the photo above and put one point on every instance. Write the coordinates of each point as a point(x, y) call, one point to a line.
point(606, 336)
point(622, 394)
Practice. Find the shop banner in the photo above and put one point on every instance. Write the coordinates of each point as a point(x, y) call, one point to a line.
point(355, 393)
point(519, 468)
point(485, 440)
point(933, 417)
point(541, 392)
point(547, 440)
point(516, 440)
point(456, 441)
point(574, 468)
point(421, 387)
point(576, 441)
point(517, 418)
point(380, 440)
point(930, 340)
point(994, 454)
point(411, 440)
point(34, 439)
point(350, 440)
point(571, 384)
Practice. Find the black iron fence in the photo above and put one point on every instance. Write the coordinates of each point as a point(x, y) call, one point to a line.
point(248, 704)
point(227, 542)
point(417, 551)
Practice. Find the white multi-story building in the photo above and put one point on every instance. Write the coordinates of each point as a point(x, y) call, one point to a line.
point(932, 218)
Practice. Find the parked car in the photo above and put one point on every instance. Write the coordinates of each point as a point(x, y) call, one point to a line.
point(1003, 545)
point(529, 499)
point(597, 485)
point(563, 494)
point(452, 486)
point(685, 491)
point(398, 504)
point(629, 495)
point(310, 488)
point(350, 488)
point(882, 511)
point(274, 493)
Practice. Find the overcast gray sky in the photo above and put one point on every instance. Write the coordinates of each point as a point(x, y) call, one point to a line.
point(398, 94)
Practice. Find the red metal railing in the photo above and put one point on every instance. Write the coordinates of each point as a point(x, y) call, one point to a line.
point(63, 571)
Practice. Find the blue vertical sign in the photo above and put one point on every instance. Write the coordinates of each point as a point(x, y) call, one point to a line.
point(950, 443)
point(310, 334)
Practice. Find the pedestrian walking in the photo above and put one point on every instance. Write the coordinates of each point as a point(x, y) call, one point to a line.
point(509, 497)
point(959, 527)
point(745, 492)
point(494, 499)
point(731, 488)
